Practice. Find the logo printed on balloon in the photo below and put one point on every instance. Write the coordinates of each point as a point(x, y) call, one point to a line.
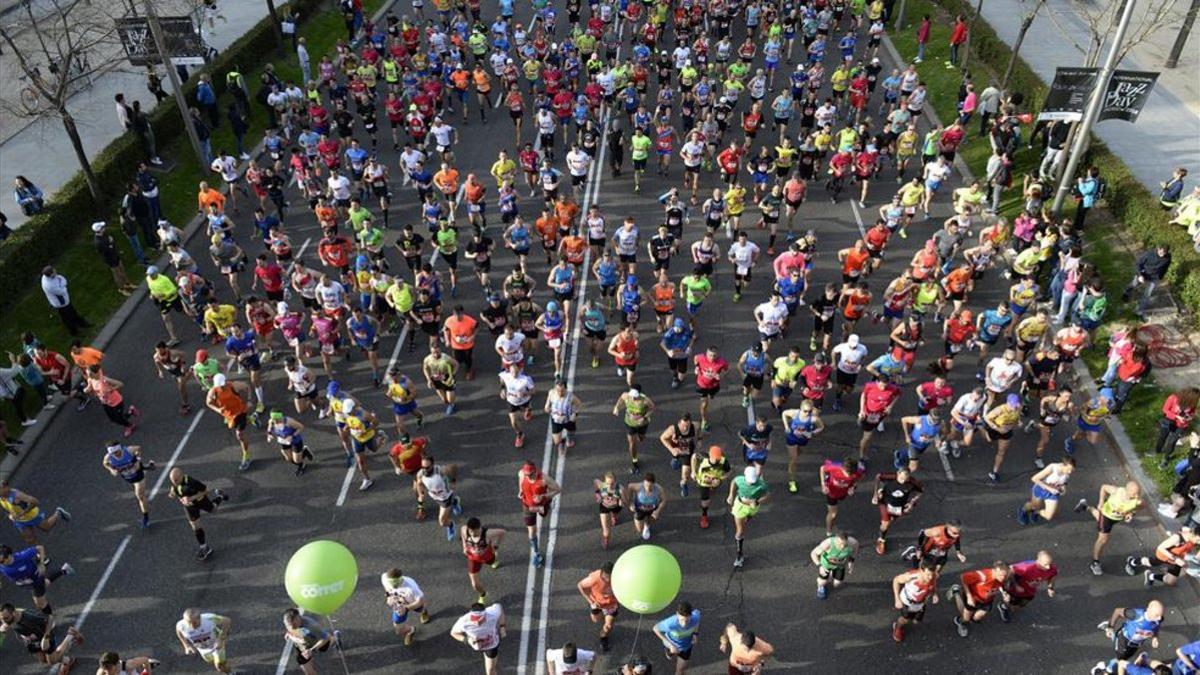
point(316, 590)
point(321, 576)
point(646, 578)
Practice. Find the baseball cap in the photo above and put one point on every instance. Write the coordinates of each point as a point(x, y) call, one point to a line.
point(281, 307)
point(219, 380)
point(333, 388)
point(852, 340)
point(151, 271)
point(1013, 400)
point(201, 355)
point(751, 475)
point(715, 452)
point(98, 226)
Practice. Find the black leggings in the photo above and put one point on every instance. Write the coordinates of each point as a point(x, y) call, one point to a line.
point(119, 414)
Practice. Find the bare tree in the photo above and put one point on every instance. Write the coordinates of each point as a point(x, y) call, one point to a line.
point(1026, 22)
point(1149, 19)
point(58, 45)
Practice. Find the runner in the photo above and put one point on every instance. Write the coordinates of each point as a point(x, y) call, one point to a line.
point(834, 558)
point(193, 495)
point(610, 498)
point(1091, 415)
point(637, 411)
point(1129, 628)
point(25, 513)
point(35, 630)
point(848, 359)
point(563, 408)
point(481, 546)
point(171, 361)
point(976, 593)
point(934, 543)
point(965, 418)
point(874, 405)
point(554, 325)
point(1024, 581)
point(229, 400)
point(596, 589)
point(785, 372)
point(1114, 505)
point(27, 567)
point(920, 432)
point(569, 660)
point(676, 342)
point(747, 652)
point(896, 495)
point(404, 596)
point(364, 331)
point(517, 389)
point(535, 490)
point(403, 394)
point(126, 462)
point(998, 426)
point(481, 629)
point(747, 493)
point(800, 425)
point(286, 431)
point(1049, 484)
point(205, 634)
point(912, 593)
point(242, 347)
point(680, 441)
point(439, 370)
point(437, 482)
point(624, 349)
point(752, 364)
point(1169, 556)
point(709, 367)
point(678, 634)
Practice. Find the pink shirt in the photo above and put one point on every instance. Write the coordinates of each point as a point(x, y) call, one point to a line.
point(784, 262)
point(1027, 576)
point(708, 371)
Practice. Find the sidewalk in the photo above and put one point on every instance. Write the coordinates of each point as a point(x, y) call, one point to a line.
point(1167, 134)
point(94, 113)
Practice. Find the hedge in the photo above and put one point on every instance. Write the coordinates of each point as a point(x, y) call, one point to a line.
point(71, 210)
point(1130, 202)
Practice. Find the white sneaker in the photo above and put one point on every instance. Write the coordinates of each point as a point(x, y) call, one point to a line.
point(366, 484)
point(244, 156)
point(646, 533)
point(1167, 510)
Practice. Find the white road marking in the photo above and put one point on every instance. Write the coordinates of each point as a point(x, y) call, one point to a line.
point(946, 466)
point(162, 477)
point(597, 172)
point(858, 218)
point(303, 248)
point(112, 565)
point(286, 655)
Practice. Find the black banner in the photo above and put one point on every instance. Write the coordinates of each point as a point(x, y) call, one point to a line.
point(180, 34)
point(1127, 94)
point(1068, 94)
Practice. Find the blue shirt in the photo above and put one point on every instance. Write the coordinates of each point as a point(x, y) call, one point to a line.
point(923, 432)
point(593, 320)
point(754, 365)
point(1137, 628)
point(24, 567)
point(673, 339)
point(886, 365)
point(790, 289)
point(1192, 651)
point(607, 271)
point(363, 331)
point(243, 345)
point(680, 636)
point(993, 324)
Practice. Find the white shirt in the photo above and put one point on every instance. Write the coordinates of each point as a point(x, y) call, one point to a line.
point(202, 637)
point(825, 114)
point(55, 288)
point(742, 255)
point(518, 389)
point(772, 317)
point(851, 357)
point(626, 241)
point(436, 485)
point(482, 631)
point(692, 153)
point(333, 295)
point(299, 380)
point(1002, 375)
point(411, 158)
point(582, 665)
point(511, 348)
point(545, 122)
point(339, 187)
point(227, 167)
point(682, 53)
point(401, 592)
point(302, 54)
point(442, 132)
point(969, 407)
point(937, 171)
point(578, 162)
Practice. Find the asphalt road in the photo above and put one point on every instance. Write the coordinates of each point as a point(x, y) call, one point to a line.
point(132, 584)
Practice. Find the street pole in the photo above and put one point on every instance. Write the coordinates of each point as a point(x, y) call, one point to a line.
point(900, 15)
point(1181, 39)
point(176, 86)
point(1084, 132)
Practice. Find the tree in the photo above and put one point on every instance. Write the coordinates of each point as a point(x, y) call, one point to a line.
point(58, 47)
point(1026, 22)
point(1150, 17)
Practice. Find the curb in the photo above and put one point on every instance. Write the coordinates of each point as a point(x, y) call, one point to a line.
point(10, 464)
point(1118, 437)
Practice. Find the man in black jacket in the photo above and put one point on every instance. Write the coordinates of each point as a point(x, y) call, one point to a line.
point(1152, 266)
point(106, 246)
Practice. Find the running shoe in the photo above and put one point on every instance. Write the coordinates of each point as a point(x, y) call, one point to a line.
point(635, 468)
point(519, 441)
point(145, 520)
point(994, 477)
point(897, 632)
point(1022, 516)
point(792, 487)
point(1096, 568)
point(64, 514)
point(349, 460)
point(1039, 462)
point(538, 560)
point(220, 495)
point(450, 408)
point(880, 546)
point(365, 485)
point(244, 465)
point(822, 592)
point(683, 489)
point(963, 631)
point(408, 637)
point(456, 508)
point(704, 522)
point(67, 569)
point(1148, 578)
point(595, 362)
point(739, 561)
point(450, 532)
point(204, 552)
point(1131, 566)
point(745, 401)
point(1081, 506)
point(1069, 446)
point(1004, 611)
point(899, 459)
point(909, 553)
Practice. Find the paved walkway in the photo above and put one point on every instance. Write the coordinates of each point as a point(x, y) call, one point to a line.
point(1167, 134)
point(94, 113)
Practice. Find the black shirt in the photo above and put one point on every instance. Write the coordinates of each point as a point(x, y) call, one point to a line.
point(480, 249)
point(189, 487)
point(496, 315)
point(427, 312)
point(823, 306)
point(31, 627)
point(108, 250)
point(661, 245)
point(755, 437)
point(896, 494)
point(410, 245)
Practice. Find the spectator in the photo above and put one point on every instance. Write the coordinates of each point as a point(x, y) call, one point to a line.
point(1187, 489)
point(1172, 190)
point(54, 285)
point(106, 246)
point(239, 125)
point(968, 106)
point(1152, 266)
point(1093, 302)
point(29, 374)
point(204, 134)
point(1055, 137)
point(11, 390)
point(235, 84)
point(5, 230)
point(989, 105)
point(922, 38)
point(154, 84)
point(1178, 411)
point(206, 98)
point(958, 35)
point(1088, 189)
point(149, 186)
point(124, 113)
point(999, 177)
point(28, 196)
point(305, 62)
point(141, 126)
point(288, 28)
point(1132, 369)
point(136, 216)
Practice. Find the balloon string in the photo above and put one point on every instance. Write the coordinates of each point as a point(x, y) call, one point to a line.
point(338, 644)
point(638, 632)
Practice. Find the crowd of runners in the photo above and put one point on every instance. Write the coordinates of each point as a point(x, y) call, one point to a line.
point(764, 127)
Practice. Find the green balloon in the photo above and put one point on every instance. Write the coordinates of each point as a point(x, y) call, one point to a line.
point(646, 579)
point(321, 576)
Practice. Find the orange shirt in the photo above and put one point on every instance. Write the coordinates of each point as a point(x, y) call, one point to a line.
point(446, 180)
point(566, 212)
point(856, 261)
point(664, 298)
point(856, 305)
point(325, 214)
point(547, 226)
point(483, 81)
point(956, 281)
point(599, 590)
point(230, 403)
point(474, 192)
point(208, 197)
point(462, 332)
point(409, 455)
point(461, 79)
point(574, 247)
point(86, 357)
point(981, 584)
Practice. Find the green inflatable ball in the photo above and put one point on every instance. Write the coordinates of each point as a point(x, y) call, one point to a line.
point(321, 576)
point(646, 579)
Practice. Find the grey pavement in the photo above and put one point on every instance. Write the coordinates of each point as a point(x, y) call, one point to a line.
point(93, 109)
point(1167, 133)
point(132, 584)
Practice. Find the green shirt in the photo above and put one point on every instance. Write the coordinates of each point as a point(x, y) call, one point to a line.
point(836, 556)
point(442, 369)
point(446, 241)
point(640, 146)
point(787, 372)
point(358, 216)
point(696, 288)
point(371, 237)
point(205, 371)
point(750, 492)
point(162, 288)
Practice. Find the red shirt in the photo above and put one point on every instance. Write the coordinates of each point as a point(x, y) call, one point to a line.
point(981, 584)
point(952, 138)
point(876, 238)
point(708, 371)
point(271, 276)
point(934, 396)
point(1178, 415)
point(1027, 576)
point(838, 480)
point(1131, 370)
point(876, 400)
point(958, 332)
point(815, 379)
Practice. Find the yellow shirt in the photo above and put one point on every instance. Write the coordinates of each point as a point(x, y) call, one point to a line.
point(1003, 417)
point(399, 394)
point(220, 318)
point(1118, 505)
point(359, 429)
point(1031, 329)
point(735, 200)
point(504, 170)
point(910, 195)
point(18, 512)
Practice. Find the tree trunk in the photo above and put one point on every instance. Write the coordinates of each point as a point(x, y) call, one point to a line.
point(85, 164)
point(1016, 49)
point(275, 19)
